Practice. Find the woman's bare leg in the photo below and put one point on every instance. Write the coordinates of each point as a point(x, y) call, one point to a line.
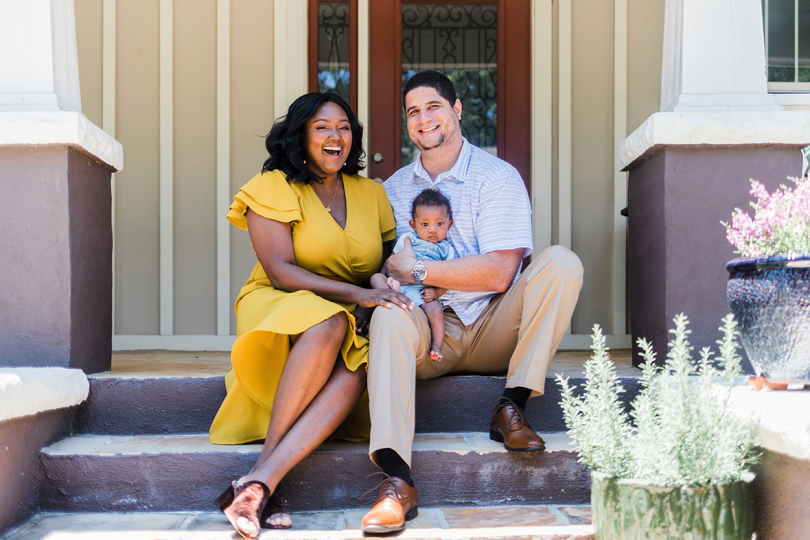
point(308, 367)
point(326, 412)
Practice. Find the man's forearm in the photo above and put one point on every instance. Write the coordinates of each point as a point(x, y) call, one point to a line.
point(489, 272)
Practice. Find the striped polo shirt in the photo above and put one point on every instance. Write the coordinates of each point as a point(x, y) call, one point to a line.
point(491, 212)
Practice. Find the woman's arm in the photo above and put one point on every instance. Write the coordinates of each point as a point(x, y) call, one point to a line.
point(272, 242)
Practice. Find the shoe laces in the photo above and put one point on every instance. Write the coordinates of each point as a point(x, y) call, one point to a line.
point(392, 490)
point(516, 415)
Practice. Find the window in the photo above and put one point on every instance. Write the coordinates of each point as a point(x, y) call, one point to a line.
point(333, 48)
point(787, 44)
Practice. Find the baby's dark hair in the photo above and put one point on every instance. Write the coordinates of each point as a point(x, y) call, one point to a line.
point(431, 197)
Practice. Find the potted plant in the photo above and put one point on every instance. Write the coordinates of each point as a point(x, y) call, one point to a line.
point(769, 287)
point(677, 464)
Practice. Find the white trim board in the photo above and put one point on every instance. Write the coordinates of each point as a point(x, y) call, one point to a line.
point(795, 100)
point(619, 177)
point(541, 117)
point(223, 187)
point(571, 342)
point(108, 40)
point(363, 76)
point(166, 168)
point(564, 119)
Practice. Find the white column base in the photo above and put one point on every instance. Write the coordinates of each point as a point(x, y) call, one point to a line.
point(726, 103)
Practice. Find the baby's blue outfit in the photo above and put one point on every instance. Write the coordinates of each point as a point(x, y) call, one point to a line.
point(424, 251)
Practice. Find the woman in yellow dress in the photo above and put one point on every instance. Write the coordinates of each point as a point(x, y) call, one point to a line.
point(318, 231)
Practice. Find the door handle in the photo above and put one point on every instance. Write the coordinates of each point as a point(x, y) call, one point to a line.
point(377, 157)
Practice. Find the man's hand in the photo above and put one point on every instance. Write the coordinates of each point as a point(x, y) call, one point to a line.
point(401, 264)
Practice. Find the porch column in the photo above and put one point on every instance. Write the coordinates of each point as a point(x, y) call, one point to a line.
point(55, 170)
point(690, 165)
point(714, 57)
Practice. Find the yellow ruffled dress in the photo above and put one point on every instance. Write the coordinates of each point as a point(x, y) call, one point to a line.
point(267, 317)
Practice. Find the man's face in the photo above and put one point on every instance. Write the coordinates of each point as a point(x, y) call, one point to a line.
point(432, 120)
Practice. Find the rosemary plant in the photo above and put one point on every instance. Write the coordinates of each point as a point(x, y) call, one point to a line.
point(680, 429)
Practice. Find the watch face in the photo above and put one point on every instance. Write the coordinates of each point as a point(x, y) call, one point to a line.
point(419, 272)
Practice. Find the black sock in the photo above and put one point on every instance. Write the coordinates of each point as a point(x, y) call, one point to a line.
point(517, 395)
point(393, 465)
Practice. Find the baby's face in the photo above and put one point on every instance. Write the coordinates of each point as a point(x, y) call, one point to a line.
point(431, 223)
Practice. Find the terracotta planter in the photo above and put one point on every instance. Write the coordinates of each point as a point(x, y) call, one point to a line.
point(633, 510)
point(770, 298)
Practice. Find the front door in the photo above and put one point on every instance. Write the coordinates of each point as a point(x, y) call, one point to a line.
point(484, 47)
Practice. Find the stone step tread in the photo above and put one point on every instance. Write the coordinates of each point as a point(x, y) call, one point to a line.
point(502, 522)
point(112, 445)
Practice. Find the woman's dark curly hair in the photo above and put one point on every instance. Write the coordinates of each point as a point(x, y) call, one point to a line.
point(286, 142)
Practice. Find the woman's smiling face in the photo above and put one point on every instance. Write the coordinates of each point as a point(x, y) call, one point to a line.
point(329, 140)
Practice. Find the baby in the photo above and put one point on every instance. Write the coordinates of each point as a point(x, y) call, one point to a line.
point(432, 218)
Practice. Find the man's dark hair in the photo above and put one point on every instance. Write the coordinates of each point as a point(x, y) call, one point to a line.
point(431, 197)
point(286, 143)
point(431, 79)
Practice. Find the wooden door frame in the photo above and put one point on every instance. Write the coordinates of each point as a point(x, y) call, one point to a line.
point(312, 48)
point(513, 101)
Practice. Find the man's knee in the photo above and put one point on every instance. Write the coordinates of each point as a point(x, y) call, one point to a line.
point(567, 262)
point(558, 261)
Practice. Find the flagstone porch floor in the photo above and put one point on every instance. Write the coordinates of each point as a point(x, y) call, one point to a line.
point(211, 364)
point(511, 522)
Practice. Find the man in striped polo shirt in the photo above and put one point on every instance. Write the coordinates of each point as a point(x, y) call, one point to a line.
point(497, 320)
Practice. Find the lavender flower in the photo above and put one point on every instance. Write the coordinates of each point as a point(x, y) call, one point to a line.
point(781, 222)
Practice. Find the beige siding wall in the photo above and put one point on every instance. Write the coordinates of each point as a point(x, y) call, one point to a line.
point(88, 38)
point(137, 200)
point(593, 159)
point(196, 209)
point(195, 161)
point(251, 115)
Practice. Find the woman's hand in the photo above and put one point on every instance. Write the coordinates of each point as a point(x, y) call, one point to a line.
point(383, 297)
point(362, 318)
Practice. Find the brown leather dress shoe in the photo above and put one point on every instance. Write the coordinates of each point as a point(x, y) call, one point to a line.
point(509, 426)
point(396, 503)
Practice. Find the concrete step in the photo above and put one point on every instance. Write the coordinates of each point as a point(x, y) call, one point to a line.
point(150, 403)
point(511, 522)
point(148, 473)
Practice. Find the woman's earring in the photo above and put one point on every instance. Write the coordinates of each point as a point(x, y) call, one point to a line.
point(305, 162)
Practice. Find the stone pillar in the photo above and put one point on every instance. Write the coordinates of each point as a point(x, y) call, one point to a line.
point(690, 166)
point(55, 170)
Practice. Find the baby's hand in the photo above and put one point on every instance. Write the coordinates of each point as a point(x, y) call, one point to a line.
point(429, 294)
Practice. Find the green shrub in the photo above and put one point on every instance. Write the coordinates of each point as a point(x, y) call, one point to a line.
point(680, 429)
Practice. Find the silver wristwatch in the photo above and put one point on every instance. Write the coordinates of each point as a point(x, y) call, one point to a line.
point(419, 273)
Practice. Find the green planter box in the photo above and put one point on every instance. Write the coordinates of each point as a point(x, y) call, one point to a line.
point(632, 510)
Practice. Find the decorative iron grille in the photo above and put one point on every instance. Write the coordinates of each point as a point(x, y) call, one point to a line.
point(461, 41)
point(333, 48)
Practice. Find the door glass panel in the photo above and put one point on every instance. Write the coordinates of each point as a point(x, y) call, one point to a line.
point(333, 47)
point(459, 40)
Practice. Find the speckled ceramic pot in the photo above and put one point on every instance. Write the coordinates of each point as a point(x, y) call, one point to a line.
point(770, 298)
point(632, 510)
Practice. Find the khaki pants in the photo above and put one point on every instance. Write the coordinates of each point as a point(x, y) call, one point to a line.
point(516, 334)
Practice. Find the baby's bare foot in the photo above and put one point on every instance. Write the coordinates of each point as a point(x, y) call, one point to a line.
point(436, 353)
point(394, 285)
